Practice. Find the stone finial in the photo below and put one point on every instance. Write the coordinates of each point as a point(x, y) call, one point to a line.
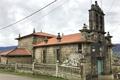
point(84, 26)
point(59, 37)
point(96, 3)
point(46, 39)
point(34, 30)
point(108, 34)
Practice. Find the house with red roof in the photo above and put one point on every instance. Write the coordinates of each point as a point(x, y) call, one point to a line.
point(27, 41)
point(24, 51)
point(18, 55)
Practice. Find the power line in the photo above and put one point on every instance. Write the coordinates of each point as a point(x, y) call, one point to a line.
point(29, 15)
point(41, 17)
point(51, 11)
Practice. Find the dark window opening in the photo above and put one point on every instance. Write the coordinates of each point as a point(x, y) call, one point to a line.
point(44, 56)
point(97, 23)
point(58, 54)
point(79, 48)
point(34, 39)
point(101, 22)
point(101, 28)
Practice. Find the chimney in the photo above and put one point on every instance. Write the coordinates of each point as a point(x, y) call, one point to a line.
point(62, 34)
point(46, 39)
point(19, 36)
point(59, 37)
point(34, 30)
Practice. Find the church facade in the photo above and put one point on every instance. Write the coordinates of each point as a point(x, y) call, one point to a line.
point(91, 46)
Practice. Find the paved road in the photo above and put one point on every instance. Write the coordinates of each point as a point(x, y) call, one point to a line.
point(14, 77)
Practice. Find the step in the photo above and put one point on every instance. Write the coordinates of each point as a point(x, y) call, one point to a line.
point(105, 77)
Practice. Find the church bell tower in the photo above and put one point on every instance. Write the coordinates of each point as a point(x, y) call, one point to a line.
point(96, 18)
point(100, 49)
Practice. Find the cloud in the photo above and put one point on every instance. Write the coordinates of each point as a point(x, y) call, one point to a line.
point(65, 16)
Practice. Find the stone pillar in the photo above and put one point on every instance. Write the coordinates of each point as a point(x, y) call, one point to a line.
point(110, 59)
point(108, 53)
point(83, 67)
point(16, 65)
point(57, 65)
point(33, 66)
point(108, 66)
point(87, 65)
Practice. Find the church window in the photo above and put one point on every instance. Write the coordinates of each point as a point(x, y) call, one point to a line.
point(34, 39)
point(58, 54)
point(44, 56)
point(79, 48)
point(101, 22)
point(97, 20)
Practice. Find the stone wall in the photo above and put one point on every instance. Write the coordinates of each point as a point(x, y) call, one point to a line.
point(24, 60)
point(116, 68)
point(3, 60)
point(26, 43)
point(16, 59)
point(50, 55)
point(86, 50)
point(65, 50)
point(41, 39)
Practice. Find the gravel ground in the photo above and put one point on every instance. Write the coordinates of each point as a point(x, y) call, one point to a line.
point(14, 77)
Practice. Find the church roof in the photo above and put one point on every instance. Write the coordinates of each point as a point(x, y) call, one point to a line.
point(66, 39)
point(5, 52)
point(44, 34)
point(39, 34)
point(16, 52)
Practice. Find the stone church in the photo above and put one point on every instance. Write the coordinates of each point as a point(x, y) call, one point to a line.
point(92, 46)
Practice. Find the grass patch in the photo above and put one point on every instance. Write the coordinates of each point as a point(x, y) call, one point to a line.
point(35, 77)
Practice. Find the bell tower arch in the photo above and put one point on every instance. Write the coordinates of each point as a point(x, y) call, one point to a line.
point(96, 18)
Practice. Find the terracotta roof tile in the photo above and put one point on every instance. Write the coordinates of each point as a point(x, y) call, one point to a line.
point(3, 53)
point(44, 34)
point(38, 34)
point(72, 38)
point(16, 52)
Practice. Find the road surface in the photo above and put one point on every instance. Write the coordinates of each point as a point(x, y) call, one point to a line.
point(14, 77)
